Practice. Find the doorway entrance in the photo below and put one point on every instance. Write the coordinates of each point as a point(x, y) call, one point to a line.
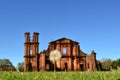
point(65, 66)
point(82, 67)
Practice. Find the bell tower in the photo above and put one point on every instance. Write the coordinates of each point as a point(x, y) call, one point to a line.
point(31, 50)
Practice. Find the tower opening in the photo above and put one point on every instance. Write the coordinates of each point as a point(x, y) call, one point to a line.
point(30, 52)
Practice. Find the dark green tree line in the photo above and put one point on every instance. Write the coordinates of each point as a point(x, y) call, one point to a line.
point(108, 64)
point(6, 65)
point(116, 64)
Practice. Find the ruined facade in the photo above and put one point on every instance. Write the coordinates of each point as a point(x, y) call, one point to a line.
point(73, 58)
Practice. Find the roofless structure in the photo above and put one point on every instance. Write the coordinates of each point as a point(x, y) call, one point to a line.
point(73, 58)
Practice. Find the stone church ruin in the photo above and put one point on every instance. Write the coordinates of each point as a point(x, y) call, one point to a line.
point(73, 58)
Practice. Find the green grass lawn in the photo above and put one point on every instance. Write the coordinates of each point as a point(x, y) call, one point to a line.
point(111, 75)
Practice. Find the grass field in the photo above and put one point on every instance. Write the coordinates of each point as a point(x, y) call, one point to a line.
point(112, 75)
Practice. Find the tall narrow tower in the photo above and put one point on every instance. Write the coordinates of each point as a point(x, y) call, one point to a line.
point(31, 50)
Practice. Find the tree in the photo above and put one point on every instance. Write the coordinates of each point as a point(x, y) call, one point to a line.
point(20, 66)
point(5, 62)
point(55, 56)
point(99, 67)
point(116, 63)
point(6, 65)
point(106, 64)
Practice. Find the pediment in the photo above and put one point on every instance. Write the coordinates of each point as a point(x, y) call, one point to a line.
point(63, 40)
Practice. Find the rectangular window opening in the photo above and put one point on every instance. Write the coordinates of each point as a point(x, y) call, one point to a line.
point(64, 50)
point(30, 52)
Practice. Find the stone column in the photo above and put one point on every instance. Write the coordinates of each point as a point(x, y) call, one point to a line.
point(58, 47)
point(73, 51)
point(42, 68)
point(93, 61)
point(26, 58)
point(85, 65)
point(25, 64)
point(78, 65)
point(36, 57)
point(76, 50)
point(69, 51)
point(58, 64)
point(62, 65)
point(75, 64)
point(70, 64)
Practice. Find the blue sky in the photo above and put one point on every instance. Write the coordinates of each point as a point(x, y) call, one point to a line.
point(95, 24)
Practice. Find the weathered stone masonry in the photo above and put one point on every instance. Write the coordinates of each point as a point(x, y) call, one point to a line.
point(73, 58)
